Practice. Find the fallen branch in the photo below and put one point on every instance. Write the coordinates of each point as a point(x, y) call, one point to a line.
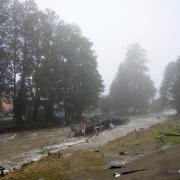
point(127, 172)
point(170, 134)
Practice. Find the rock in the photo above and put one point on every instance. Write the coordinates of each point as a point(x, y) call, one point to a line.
point(117, 164)
point(116, 167)
point(97, 151)
point(121, 153)
point(116, 175)
point(6, 171)
point(55, 154)
point(141, 155)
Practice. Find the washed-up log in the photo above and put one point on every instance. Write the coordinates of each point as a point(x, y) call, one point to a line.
point(134, 171)
point(170, 134)
point(115, 167)
point(172, 171)
point(127, 172)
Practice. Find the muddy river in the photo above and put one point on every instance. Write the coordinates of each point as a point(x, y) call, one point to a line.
point(23, 147)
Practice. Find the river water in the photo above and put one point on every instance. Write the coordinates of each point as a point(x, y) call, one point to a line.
point(23, 147)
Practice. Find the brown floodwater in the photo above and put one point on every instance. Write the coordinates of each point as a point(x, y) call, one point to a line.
point(23, 147)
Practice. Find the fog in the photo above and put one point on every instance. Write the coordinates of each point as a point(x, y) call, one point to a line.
point(52, 105)
point(114, 24)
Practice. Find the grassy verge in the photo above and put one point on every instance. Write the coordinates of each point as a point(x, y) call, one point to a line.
point(147, 139)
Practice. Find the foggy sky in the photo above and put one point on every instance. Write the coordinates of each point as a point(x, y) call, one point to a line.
point(114, 24)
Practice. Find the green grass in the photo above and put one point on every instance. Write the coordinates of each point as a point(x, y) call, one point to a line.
point(147, 139)
point(52, 168)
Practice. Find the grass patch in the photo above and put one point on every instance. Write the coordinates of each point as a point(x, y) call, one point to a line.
point(52, 168)
point(146, 139)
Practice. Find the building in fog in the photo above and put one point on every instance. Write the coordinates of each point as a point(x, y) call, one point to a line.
point(6, 104)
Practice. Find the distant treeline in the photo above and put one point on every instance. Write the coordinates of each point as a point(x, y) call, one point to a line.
point(45, 64)
point(132, 90)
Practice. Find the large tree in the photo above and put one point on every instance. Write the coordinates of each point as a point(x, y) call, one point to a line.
point(170, 88)
point(82, 81)
point(45, 63)
point(132, 87)
point(169, 78)
point(176, 90)
point(5, 61)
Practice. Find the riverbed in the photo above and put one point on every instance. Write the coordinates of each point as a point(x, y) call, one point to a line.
point(23, 147)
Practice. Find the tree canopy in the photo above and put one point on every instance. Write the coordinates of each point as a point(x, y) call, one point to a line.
point(132, 87)
point(170, 88)
point(45, 63)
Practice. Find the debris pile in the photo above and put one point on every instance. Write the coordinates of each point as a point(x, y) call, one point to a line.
point(3, 171)
point(98, 123)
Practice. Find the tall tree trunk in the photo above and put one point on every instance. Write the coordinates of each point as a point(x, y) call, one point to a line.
point(20, 106)
point(49, 111)
point(35, 111)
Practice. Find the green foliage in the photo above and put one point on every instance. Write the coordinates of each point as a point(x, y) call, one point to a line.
point(167, 82)
point(45, 63)
point(5, 73)
point(170, 88)
point(132, 86)
point(156, 105)
point(105, 104)
point(176, 89)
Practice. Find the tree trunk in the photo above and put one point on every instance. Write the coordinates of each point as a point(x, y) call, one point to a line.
point(35, 112)
point(49, 111)
point(19, 109)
